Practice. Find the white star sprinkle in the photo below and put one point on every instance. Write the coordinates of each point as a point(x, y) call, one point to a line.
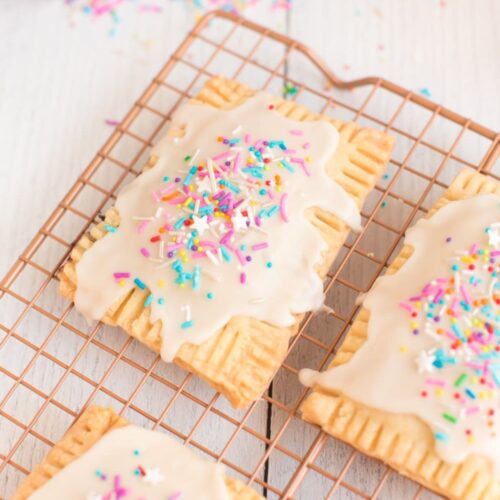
point(204, 185)
point(154, 476)
point(239, 221)
point(424, 362)
point(200, 224)
point(494, 237)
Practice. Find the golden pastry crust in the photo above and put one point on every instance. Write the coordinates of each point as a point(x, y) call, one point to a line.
point(241, 359)
point(404, 442)
point(94, 423)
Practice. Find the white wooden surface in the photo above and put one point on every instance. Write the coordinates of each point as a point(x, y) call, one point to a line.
point(59, 83)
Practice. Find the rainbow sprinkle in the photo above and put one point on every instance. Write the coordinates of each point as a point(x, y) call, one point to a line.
point(216, 200)
point(461, 313)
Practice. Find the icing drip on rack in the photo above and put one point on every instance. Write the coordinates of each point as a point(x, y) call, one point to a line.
point(218, 227)
point(131, 462)
point(433, 346)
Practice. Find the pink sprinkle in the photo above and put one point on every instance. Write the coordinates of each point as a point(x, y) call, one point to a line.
point(167, 189)
point(145, 252)
point(226, 237)
point(438, 296)
point(472, 410)
point(306, 145)
point(282, 207)
point(142, 226)
point(296, 132)
point(302, 163)
point(257, 220)
point(121, 275)
point(150, 8)
point(175, 246)
point(220, 156)
point(270, 194)
point(406, 307)
point(240, 257)
point(465, 295)
point(236, 163)
point(435, 381)
point(248, 138)
point(473, 248)
point(259, 246)
point(207, 243)
point(155, 196)
point(112, 123)
point(243, 278)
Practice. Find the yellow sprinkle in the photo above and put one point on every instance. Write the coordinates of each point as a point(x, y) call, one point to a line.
point(307, 158)
point(418, 304)
point(122, 282)
point(403, 348)
point(413, 324)
point(278, 189)
point(182, 252)
point(188, 201)
point(482, 394)
point(439, 391)
point(161, 283)
point(471, 439)
point(196, 240)
point(183, 285)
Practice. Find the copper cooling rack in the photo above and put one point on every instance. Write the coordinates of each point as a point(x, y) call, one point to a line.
point(53, 364)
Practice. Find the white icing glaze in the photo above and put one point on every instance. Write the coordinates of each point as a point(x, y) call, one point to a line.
point(272, 294)
point(169, 471)
point(393, 370)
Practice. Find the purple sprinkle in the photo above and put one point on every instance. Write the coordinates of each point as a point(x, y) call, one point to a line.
point(177, 179)
point(248, 258)
point(448, 239)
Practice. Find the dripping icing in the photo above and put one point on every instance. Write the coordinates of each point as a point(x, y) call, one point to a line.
point(279, 281)
point(404, 367)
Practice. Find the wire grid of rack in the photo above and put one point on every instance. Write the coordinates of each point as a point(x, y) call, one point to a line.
point(67, 364)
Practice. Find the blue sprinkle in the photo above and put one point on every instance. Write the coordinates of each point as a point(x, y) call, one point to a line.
point(161, 301)
point(139, 283)
point(210, 295)
point(148, 300)
point(187, 324)
point(441, 436)
point(110, 229)
point(287, 166)
point(225, 254)
point(470, 393)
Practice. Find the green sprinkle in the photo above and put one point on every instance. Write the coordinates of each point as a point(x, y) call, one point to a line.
point(450, 418)
point(210, 295)
point(166, 178)
point(136, 452)
point(187, 324)
point(137, 472)
point(187, 158)
point(110, 229)
point(269, 264)
point(384, 204)
point(460, 380)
